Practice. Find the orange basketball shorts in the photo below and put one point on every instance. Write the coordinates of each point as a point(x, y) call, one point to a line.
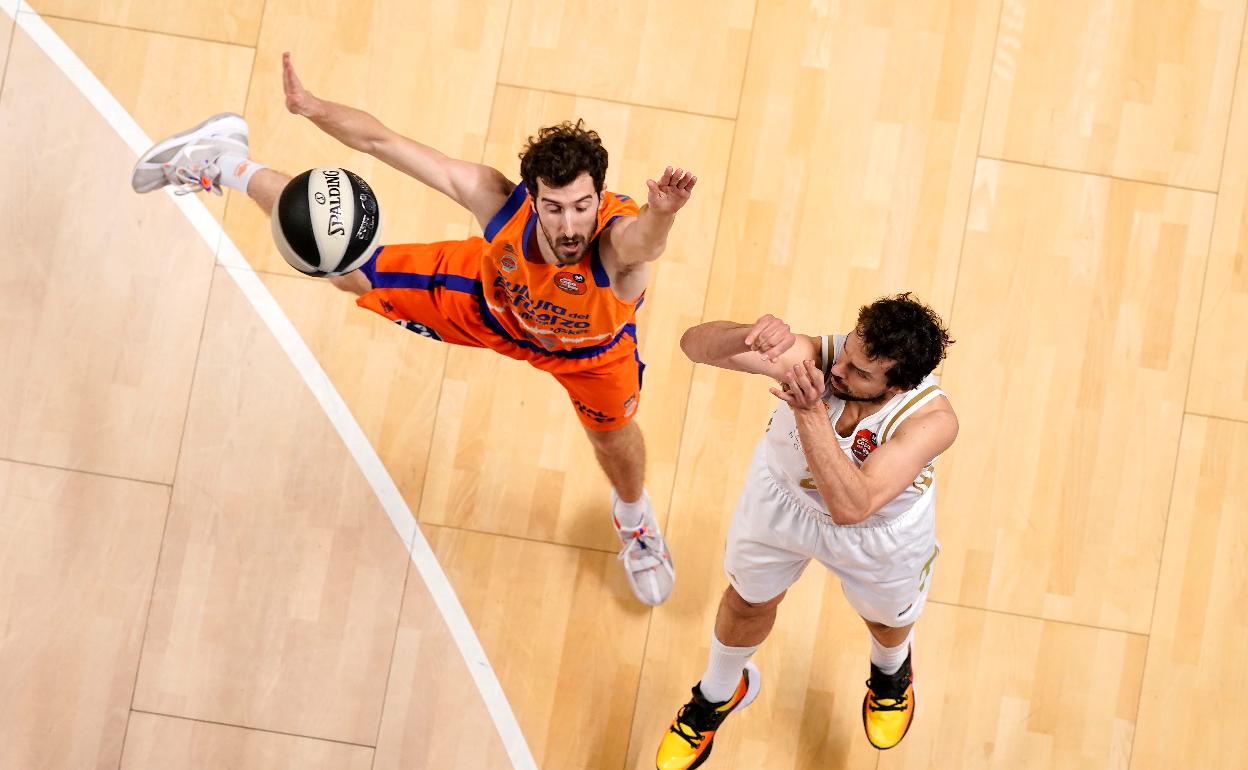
point(434, 289)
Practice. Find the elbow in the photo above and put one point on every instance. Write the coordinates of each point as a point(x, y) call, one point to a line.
point(687, 345)
point(847, 515)
point(373, 143)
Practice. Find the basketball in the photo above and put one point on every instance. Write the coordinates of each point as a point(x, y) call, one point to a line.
point(326, 222)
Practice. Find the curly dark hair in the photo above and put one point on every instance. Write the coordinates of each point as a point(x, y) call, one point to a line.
point(558, 155)
point(906, 331)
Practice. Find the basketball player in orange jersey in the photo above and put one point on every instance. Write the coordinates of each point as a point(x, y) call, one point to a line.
point(555, 281)
point(844, 474)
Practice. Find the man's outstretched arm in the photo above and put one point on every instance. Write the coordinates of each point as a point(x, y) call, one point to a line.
point(480, 189)
point(766, 346)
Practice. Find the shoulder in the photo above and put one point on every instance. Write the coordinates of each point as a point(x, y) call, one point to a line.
point(934, 424)
point(617, 211)
point(515, 200)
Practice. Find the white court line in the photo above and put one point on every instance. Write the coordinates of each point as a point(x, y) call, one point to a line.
point(318, 382)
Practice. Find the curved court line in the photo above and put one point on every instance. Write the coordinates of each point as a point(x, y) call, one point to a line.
point(317, 381)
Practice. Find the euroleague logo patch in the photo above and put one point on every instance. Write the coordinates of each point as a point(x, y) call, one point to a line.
point(864, 444)
point(572, 283)
point(508, 263)
point(630, 405)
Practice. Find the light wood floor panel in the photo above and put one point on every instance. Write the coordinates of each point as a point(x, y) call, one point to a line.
point(101, 324)
point(281, 578)
point(998, 691)
point(1219, 382)
point(7, 24)
point(388, 376)
point(161, 743)
point(77, 556)
point(160, 79)
point(843, 188)
point(674, 55)
point(564, 640)
point(1074, 317)
point(425, 69)
point(227, 21)
point(551, 488)
point(1193, 710)
point(1134, 88)
point(434, 716)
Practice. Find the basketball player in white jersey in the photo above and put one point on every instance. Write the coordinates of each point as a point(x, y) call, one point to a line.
point(844, 474)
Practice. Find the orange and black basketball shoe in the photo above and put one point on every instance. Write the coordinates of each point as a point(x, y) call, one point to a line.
point(888, 707)
point(687, 743)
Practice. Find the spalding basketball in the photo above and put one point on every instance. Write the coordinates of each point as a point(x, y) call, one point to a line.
point(326, 222)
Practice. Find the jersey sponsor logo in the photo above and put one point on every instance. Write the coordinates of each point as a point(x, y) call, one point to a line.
point(572, 283)
point(508, 263)
point(538, 312)
point(865, 443)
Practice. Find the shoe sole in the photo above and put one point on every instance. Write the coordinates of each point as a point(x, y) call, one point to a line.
point(755, 683)
point(182, 138)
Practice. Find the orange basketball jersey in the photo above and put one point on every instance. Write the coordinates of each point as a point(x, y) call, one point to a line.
point(558, 307)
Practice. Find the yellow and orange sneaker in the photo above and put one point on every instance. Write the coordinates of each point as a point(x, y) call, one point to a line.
point(687, 743)
point(888, 707)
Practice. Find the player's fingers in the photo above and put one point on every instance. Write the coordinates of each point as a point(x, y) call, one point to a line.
point(775, 335)
point(759, 327)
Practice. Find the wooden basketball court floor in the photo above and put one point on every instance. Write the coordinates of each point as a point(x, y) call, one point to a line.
point(195, 572)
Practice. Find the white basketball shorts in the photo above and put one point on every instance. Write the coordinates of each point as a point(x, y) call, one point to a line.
point(885, 567)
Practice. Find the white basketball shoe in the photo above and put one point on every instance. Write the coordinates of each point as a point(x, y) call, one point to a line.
point(648, 563)
point(188, 161)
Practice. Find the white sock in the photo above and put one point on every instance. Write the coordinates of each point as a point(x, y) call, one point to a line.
point(237, 171)
point(723, 670)
point(889, 659)
point(630, 515)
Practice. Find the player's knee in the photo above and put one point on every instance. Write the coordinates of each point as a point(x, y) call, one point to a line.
point(741, 606)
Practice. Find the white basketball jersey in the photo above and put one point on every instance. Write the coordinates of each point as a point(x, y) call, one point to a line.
point(787, 463)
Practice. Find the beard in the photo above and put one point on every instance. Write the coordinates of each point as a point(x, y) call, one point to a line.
point(846, 395)
point(560, 246)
